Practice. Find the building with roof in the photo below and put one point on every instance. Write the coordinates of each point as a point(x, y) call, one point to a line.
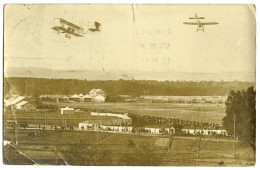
point(17, 99)
point(12, 101)
point(74, 98)
point(67, 110)
point(106, 128)
point(96, 92)
point(107, 121)
point(125, 117)
point(50, 97)
point(193, 131)
point(7, 100)
point(87, 98)
point(24, 105)
point(99, 99)
point(64, 99)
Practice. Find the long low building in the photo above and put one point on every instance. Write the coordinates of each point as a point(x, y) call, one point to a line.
point(122, 116)
point(95, 126)
point(205, 131)
point(108, 121)
point(85, 126)
point(67, 110)
point(92, 126)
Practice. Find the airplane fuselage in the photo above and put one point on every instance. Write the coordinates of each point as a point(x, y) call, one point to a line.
point(200, 26)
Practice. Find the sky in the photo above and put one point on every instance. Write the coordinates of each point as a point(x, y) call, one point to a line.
point(133, 38)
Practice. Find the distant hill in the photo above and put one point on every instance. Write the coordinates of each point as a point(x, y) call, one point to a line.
point(116, 75)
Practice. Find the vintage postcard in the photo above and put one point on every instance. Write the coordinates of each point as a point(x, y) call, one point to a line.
point(129, 85)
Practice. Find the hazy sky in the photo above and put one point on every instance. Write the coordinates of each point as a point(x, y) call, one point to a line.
point(138, 37)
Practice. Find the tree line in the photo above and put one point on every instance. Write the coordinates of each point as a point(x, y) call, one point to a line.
point(38, 86)
point(241, 115)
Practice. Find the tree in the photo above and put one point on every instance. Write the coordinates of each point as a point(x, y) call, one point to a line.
point(36, 93)
point(15, 85)
point(197, 146)
point(241, 105)
point(144, 154)
point(86, 154)
point(131, 143)
point(104, 158)
point(79, 153)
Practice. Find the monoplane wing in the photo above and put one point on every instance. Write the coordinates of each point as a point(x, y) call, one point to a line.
point(196, 18)
point(208, 23)
point(191, 23)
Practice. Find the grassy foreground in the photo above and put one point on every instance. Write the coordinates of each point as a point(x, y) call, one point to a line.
point(52, 148)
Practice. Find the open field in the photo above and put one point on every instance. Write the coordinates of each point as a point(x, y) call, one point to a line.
point(212, 113)
point(47, 149)
point(198, 112)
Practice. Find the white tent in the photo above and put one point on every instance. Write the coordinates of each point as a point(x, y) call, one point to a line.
point(74, 96)
point(64, 97)
point(87, 96)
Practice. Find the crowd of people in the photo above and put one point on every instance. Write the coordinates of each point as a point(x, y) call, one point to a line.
point(144, 120)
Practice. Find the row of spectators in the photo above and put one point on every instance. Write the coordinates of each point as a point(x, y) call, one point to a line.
point(147, 120)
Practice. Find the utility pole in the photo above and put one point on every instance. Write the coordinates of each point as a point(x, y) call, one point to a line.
point(15, 126)
point(192, 118)
point(124, 122)
point(92, 102)
point(98, 127)
point(26, 87)
point(234, 134)
point(45, 121)
point(56, 155)
point(169, 143)
point(63, 120)
point(65, 123)
point(35, 123)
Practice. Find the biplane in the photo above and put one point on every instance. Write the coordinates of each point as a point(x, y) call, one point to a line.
point(97, 25)
point(68, 28)
point(199, 23)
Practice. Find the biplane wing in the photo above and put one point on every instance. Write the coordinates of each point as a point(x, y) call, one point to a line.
point(63, 30)
point(63, 26)
point(191, 23)
point(208, 23)
point(63, 21)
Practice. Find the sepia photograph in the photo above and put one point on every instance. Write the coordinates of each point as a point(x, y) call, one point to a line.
point(129, 85)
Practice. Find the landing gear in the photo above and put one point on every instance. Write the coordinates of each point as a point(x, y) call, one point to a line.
point(200, 28)
point(67, 36)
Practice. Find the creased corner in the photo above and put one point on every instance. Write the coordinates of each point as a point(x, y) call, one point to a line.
point(20, 152)
point(252, 8)
point(61, 157)
point(133, 12)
